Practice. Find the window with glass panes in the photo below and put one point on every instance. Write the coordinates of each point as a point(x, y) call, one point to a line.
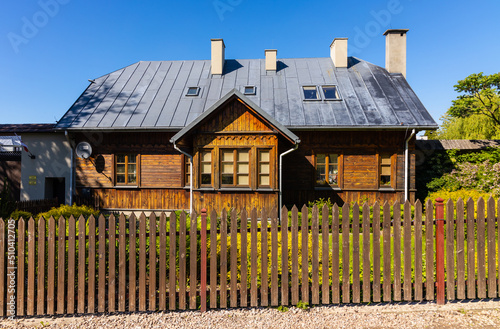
point(327, 169)
point(264, 167)
point(235, 167)
point(126, 169)
point(206, 168)
point(385, 170)
point(187, 172)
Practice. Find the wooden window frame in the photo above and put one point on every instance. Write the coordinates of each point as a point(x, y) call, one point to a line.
point(257, 167)
point(137, 170)
point(340, 160)
point(185, 171)
point(235, 164)
point(200, 166)
point(392, 157)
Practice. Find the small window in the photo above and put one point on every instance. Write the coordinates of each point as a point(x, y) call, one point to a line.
point(264, 166)
point(126, 169)
point(206, 168)
point(330, 92)
point(310, 93)
point(193, 91)
point(187, 172)
point(249, 90)
point(385, 170)
point(327, 169)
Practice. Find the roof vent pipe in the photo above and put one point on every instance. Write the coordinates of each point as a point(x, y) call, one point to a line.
point(338, 52)
point(395, 51)
point(218, 56)
point(271, 63)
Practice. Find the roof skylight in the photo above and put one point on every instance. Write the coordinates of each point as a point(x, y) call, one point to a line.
point(249, 90)
point(330, 92)
point(310, 93)
point(193, 91)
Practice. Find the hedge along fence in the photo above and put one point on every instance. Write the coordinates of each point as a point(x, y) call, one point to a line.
point(337, 255)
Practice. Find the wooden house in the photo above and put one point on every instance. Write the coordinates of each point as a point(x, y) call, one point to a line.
point(242, 133)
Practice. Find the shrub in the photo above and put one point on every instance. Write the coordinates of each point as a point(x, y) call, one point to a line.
point(455, 195)
point(469, 176)
point(66, 211)
point(20, 213)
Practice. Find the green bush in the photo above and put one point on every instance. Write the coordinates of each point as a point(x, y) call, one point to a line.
point(66, 211)
point(455, 195)
point(20, 213)
point(454, 171)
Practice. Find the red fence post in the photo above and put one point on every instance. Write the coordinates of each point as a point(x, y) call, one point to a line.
point(203, 249)
point(440, 251)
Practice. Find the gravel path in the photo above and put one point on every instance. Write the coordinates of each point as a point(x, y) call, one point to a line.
point(471, 314)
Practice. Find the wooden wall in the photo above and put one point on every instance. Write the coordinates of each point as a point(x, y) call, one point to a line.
point(358, 166)
point(160, 180)
point(236, 199)
point(236, 126)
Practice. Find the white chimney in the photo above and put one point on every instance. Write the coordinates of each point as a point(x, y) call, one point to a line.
point(338, 52)
point(395, 51)
point(218, 56)
point(271, 55)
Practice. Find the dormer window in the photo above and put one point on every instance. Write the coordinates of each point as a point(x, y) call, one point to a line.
point(330, 92)
point(193, 91)
point(311, 93)
point(249, 90)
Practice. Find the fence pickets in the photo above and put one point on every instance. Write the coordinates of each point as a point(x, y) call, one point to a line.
point(254, 258)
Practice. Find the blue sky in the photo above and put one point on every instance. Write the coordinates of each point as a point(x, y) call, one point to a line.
point(50, 48)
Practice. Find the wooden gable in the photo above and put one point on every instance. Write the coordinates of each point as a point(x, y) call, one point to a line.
point(235, 117)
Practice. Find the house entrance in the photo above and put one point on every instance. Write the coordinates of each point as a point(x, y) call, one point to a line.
point(55, 188)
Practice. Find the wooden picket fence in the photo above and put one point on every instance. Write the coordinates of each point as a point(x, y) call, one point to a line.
point(36, 206)
point(340, 255)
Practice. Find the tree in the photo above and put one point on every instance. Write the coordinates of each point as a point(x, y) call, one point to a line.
point(480, 95)
point(475, 126)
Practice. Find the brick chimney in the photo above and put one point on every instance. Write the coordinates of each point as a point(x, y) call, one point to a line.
point(338, 52)
point(395, 51)
point(218, 56)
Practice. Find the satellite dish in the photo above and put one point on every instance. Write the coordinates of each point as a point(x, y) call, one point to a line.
point(83, 150)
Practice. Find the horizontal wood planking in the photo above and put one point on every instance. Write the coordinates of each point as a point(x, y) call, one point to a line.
point(138, 198)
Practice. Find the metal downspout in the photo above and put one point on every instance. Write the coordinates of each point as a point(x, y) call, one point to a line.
point(281, 177)
point(190, 178)
point(406, 163)
point(72, 169)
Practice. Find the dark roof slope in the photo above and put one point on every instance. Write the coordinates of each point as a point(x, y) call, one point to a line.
point(26, 128)
point(456, 144)
point(152, 95)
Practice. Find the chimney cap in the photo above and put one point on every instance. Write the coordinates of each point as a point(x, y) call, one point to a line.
point(219, 39)
point(394, 31)
point(336, 40)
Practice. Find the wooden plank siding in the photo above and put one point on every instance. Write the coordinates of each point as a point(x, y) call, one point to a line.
point(161, 179)
point(358, 167)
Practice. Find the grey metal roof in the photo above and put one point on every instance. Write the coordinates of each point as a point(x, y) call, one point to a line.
point(287, 133)
point(151, 95)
